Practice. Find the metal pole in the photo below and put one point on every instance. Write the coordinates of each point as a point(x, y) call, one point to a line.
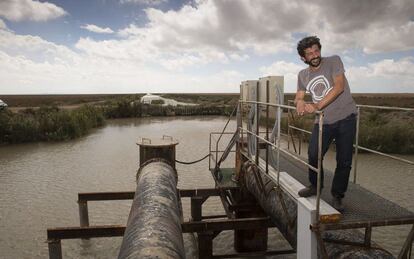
point(278, 143)
point(215, 166)
point(288, 129)
point(196, 208)
point(386, 155)
point(55, 249)
point(356, 144)
point(241, 126)
point(257, 123)
point(318, 186)
point(367, 238)
point(267, 126)
point(209, 151)
point(83, 213)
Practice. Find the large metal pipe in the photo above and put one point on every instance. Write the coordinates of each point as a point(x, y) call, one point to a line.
point(154, 224)
point(282, 209)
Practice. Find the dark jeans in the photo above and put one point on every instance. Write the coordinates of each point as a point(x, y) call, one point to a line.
point(343, 132)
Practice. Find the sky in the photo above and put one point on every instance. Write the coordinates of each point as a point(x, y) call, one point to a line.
point(198, 46)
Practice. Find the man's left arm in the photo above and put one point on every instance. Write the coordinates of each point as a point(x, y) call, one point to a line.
point(337, 89)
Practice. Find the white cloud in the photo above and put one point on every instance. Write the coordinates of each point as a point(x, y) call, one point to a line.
point(374, 26)
point(211, 34)
point(129, 50)
point(97, 29)
point(144, 2)
point(29, 10)
point(221, 31)
point(286, 69)
point(2, 25)
point(391, 68)
point(239, 57)
point(387, 75)
point(33, 65)
point(268, 26)
point(33, 48)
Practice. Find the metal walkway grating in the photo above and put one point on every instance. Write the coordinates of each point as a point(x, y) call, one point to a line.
point(361, 205)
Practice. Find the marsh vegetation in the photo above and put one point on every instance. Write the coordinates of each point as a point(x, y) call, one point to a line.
point(386, 131)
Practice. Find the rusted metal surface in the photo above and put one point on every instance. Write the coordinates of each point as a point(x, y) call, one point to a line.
point(157, 148)
point(203, 192)
point(282, 209)
point(55, 249)
point(269, 200)
point(256, 254)
point(105, 196)
point(351, 244)
point(250, 240)
point(226, 224)
point(85, 232)
point(366, 223)
point(154, 224)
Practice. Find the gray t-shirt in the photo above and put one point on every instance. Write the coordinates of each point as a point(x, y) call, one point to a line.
point(320, 82)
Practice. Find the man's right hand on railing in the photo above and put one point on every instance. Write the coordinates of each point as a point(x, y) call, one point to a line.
point(300, 107)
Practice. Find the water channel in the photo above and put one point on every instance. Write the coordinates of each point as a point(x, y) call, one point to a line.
point(39, 184)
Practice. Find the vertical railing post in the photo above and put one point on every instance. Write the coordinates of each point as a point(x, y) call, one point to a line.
point(241, 120)
point(209, 151)
point(267, 126)
point(278, 116)
point(318, 185)
point(217, 143)
point(288, 130)
point(367, 236)
point(356, 144)
point(257, 124)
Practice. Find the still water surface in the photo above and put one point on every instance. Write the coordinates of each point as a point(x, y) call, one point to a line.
point(39, 184)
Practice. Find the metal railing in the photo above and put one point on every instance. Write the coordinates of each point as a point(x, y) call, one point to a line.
point(276, 145)
point(357, 147)
point(215, 152)
point(218, 141)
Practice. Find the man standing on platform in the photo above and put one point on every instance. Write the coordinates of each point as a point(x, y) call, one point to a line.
point(325, 80)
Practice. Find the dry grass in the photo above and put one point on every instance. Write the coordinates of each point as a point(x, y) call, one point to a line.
point(392, 99)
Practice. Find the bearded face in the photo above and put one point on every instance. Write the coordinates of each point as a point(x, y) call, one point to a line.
point(312, 56)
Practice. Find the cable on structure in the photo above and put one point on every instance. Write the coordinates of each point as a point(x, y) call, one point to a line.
point(193, 162)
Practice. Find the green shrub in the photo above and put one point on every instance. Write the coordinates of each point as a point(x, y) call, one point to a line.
point(157, 102)
point(48, 123)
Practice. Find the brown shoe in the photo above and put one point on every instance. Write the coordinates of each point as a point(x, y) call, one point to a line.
point(308, 191)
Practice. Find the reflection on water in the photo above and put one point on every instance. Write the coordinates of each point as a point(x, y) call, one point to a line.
point(39, 183)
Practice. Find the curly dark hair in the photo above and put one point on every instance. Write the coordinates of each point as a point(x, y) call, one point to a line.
point(307, 42)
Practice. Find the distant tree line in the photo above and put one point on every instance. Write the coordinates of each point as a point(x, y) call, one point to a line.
point(389, 132)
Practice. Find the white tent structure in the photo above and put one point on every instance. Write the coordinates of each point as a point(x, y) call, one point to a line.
point(148, 98)
point(3, 104)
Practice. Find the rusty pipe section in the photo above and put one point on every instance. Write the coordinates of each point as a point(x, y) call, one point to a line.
point(282, 210)
point(280, 207)
point(154, 224)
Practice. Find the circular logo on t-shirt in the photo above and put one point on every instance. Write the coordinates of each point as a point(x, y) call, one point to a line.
point(319, 87)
